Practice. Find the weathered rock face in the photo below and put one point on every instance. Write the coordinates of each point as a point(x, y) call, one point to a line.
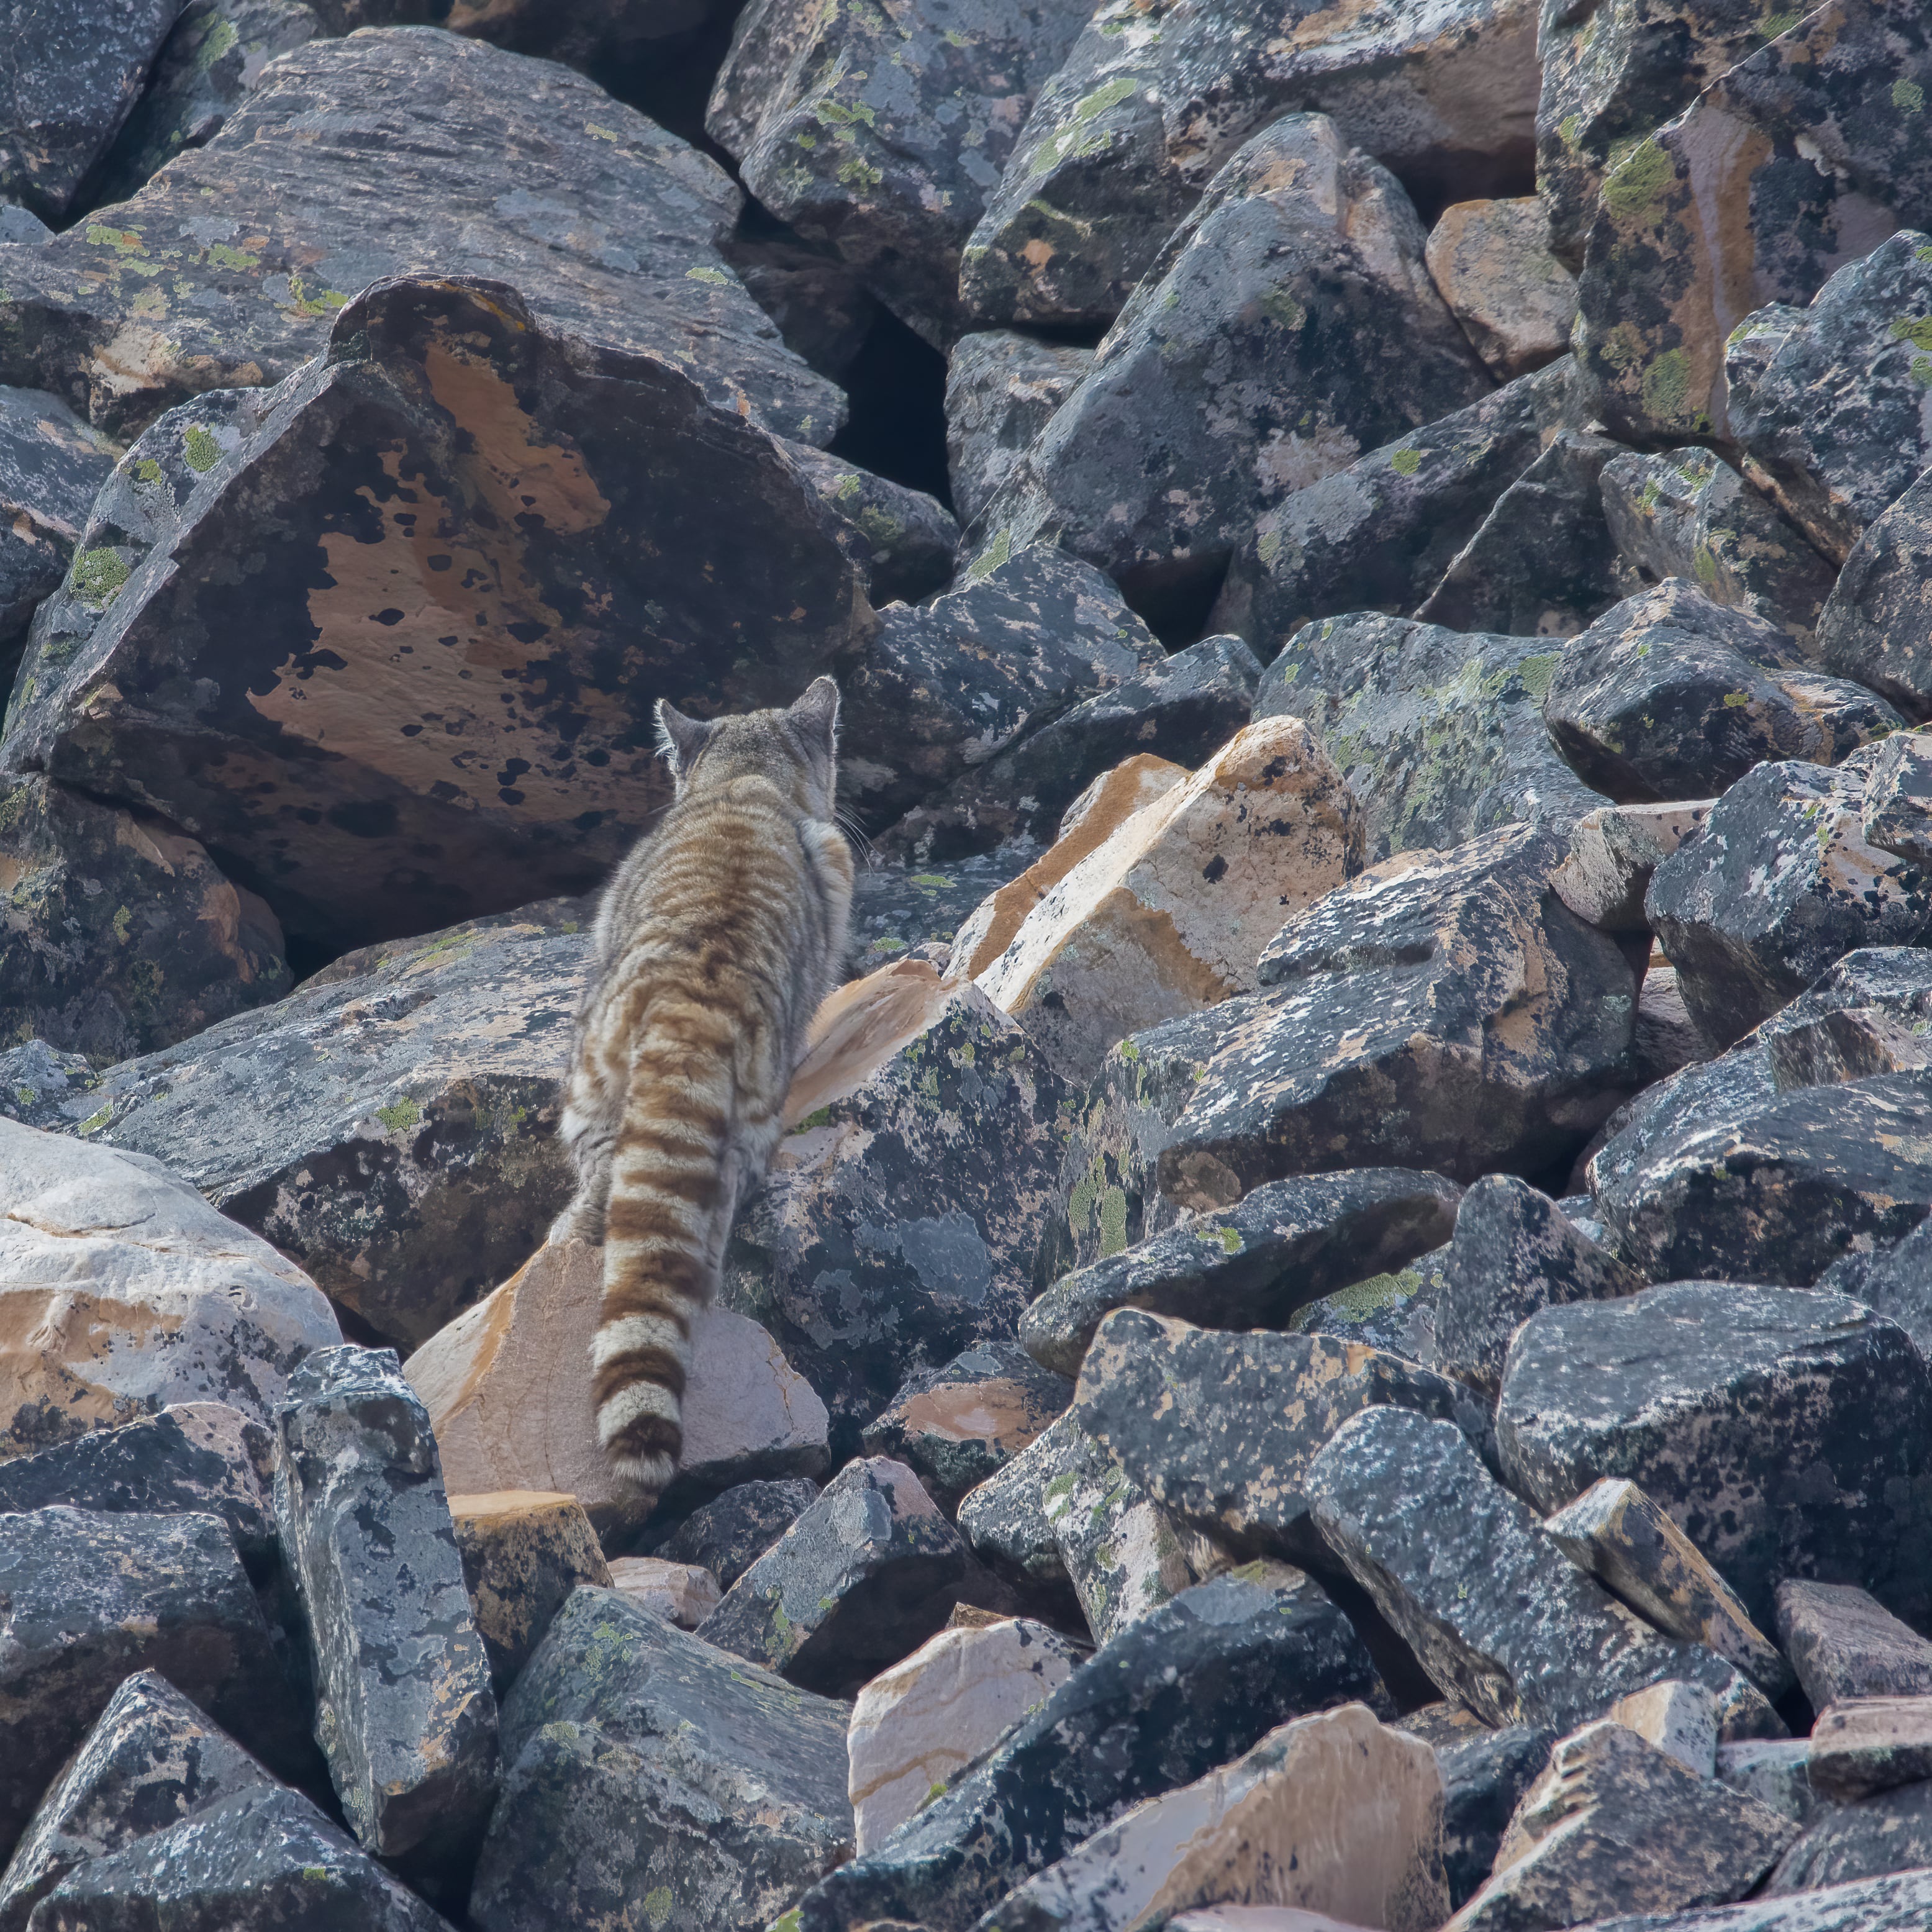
point(1667, 1388)
point(1832, 426)
point(867, 1573)
point(1005, 1519)
point(198, 669)
point(1779, 883)
point(1615, 851)
point(946, 685)
point(1288, 324)
point(915, 1726)
point(1685, 513)
point(1890, 1831)
point(121, 935)
point(523, 1552)
point(1438, 733)
point(1670, 695)
point(92, 1598)
point(679, 1593)
point(1894, 1282)
point(1843, 1644)
point(1515, 301)
point(1001, 390)
point(897, 910)
point(69, 82)
point(1873, 624)
point(404, 1713)
point(901, 540)
point(1724, 210)
point(1169, 915)
point(728, 1534)
point(1484, 1774)
point(1220, 1430)
point(504, 150)
point(1870, 1743)
point(884, 133)
point(1282, 1246)
point(1179, 1692)
point(898, 1226)
point(641, 1764)
point(1523, 1636)
point(123, 1292)
point(1124, 139)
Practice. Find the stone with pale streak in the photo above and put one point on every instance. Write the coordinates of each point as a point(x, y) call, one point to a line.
point(1334, 1813)
point(681, 1593)
point(1170, 914)
point(1680, 1719)
point(860, 1027)
point(1865, 1744)
point(509, 1397)
point(523, 1552)
point(915, 1725)
point(1491, 261)
point(1614, 850)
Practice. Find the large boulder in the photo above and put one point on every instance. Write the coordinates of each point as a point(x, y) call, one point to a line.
point(123, 1292)
point(1002, 388)
point(726, 1536)
point(1125, 137)
point(540, 178)
point(218, 665)
point(1873, 625)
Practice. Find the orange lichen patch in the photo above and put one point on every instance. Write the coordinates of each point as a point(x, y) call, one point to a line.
point(48, 1339)
point(989, 1412)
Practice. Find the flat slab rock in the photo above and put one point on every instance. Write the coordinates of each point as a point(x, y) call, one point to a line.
point(127, 1292)
point(1844, 1644)
point(1863, 1744)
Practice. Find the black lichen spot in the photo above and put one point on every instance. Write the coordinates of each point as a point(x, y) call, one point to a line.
point(364, 818)
point(391, 616)
point(1215, 869)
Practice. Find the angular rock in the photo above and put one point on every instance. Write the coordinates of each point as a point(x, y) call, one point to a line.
point(1613, 852)
point(728, 1534)
point(1771, 1770)
point(92, 1598)
point(1220, 1430)
point(866, 1574)
point(1438, 733)
point(194, 1458)
point(1681, 1719)
point(898, 1226)
point(257, 1860)
point(884, 133)
point(1124, 139)
point(1895, 1282)
point(1519, 1635)
point(1484, 1774)
point(957, 1425)
point(1895, 1904)
point(1616, 1532)
point(1331, 1813)
point(523, 1551)
point(1685, 513)
point(1515, 301)
point(1393, 1312)
point(1175, 1695)
point(1779, 884)
point(122, 936)
point(508, 1396)
point(945, 686)
point(51, 464)
point(1866, 1744)
point(901, 540)
point(1513, 1251)
point(1669, 695)
point(1169, 915)
point(432, 805)
point(543, 180)
point(680, 1593)
point(1781, 1429)
point(1615, 1821)
point(404, 1713)
point(897, 910)
point(1120, 1551)
point(1843, 1644)
point(123, 1291)
point(823, 312)
point(1001, 390)
point(645, 1768)
point(1005, 1519)
point(1187, 707)
point(1804, 156)
point(70, 80)
point(1832, 426)
point(1889, 1832)
point(1869, 627)
point(1254, 1265)
point(1287, 326)
point(35, 1078)
point(916, 1726)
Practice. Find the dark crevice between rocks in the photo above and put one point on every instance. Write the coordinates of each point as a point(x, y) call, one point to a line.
point(671, 80)
point(1432, 186)
point(1177, 606)
point(1408, 1683)
point(897, 428)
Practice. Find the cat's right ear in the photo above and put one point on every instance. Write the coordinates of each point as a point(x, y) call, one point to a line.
point(679, 739)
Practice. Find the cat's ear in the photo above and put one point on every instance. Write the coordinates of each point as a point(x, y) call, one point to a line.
point(815, 716)
point(679, 739)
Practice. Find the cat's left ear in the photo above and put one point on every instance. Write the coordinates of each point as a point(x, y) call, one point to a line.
point(815, 716)
point(679, 739)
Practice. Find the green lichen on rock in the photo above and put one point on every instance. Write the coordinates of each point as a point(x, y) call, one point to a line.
point(97, 574)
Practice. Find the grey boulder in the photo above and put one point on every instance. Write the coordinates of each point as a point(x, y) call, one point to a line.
point(1001, 389)
point(728, 1534)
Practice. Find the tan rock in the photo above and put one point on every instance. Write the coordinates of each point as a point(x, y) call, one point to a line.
point(859, 1027)
point(1613, 851)
point(1336, 1813)
point(523, 1552)
point(1093, 818)
point(508, 1388)
point(1491, 261)
point(1170, 913)
point(683, 1593)
point(122, 1290)
point(915, 1725)
point(1866, 1744)
point(1680, 1719)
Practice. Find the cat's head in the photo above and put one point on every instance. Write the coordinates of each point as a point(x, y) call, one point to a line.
point(797, 749)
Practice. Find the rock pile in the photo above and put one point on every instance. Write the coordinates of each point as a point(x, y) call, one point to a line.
point(1340, 1338)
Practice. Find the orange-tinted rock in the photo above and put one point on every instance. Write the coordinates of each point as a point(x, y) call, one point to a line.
point(1491, 260)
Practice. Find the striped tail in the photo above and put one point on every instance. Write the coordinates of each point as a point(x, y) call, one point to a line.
point(671, 1201)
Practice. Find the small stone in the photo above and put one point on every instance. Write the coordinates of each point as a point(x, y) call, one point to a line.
point(728, 1534)
point(915, 1726)
point(1680, 1719)
point(1121, 1553)
point(1613, 852)
point(901, 540)
point(523, 1552)
point(1516, 301)
point(1005, 1518)
point(404, 1712)
point(680, 1593)
point(866, 1573)
point(1864, 1744)
point(1844, 1645)
point(1614, 1531)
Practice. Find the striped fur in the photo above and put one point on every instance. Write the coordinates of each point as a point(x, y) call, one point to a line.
point(714, 945)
